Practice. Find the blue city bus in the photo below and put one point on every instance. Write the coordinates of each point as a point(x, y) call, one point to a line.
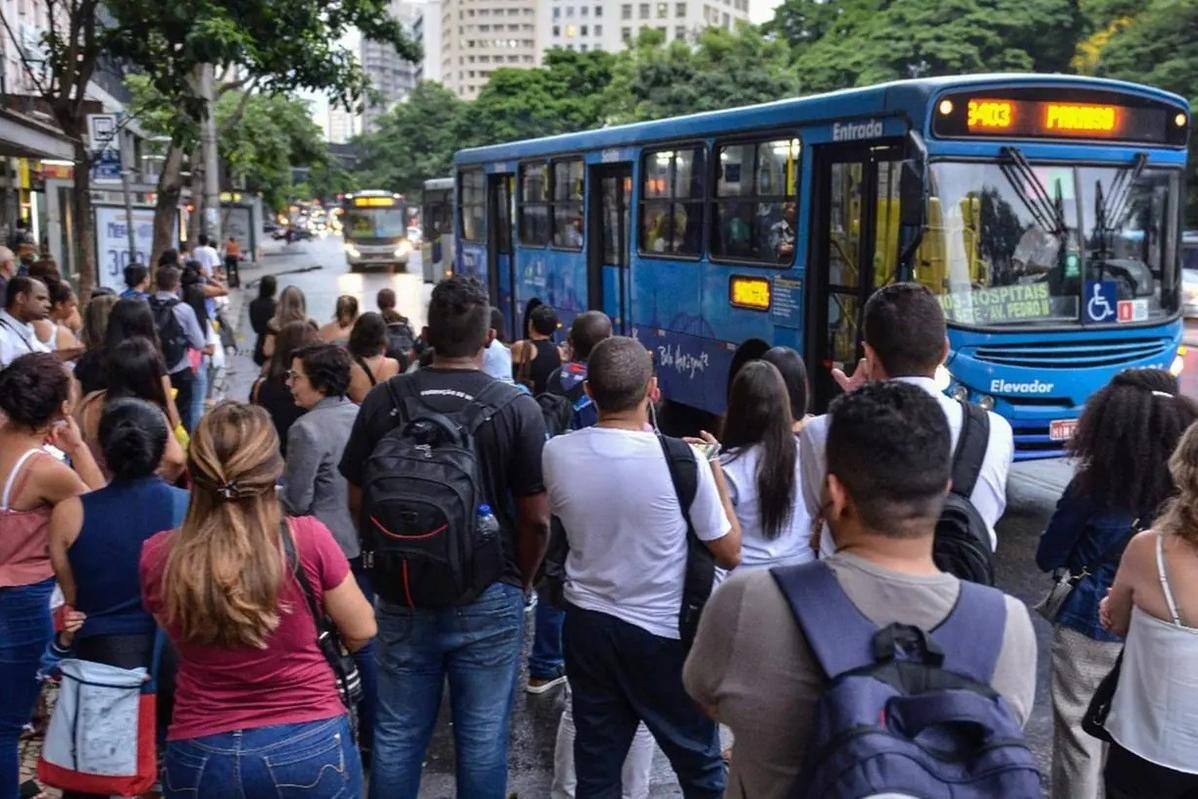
point(1043, 210)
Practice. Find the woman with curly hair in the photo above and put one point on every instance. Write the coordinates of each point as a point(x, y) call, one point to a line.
point(1123, 442)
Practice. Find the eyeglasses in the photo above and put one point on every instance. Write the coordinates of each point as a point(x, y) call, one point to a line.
point(293, 375)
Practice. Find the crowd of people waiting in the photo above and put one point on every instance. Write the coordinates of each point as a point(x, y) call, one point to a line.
point(406, 498)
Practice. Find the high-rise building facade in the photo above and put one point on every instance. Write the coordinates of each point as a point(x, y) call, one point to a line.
point(480, 36)
point(392, 77)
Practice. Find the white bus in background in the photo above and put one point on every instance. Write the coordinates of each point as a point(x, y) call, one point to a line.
point(374, 226)
point(436, 248)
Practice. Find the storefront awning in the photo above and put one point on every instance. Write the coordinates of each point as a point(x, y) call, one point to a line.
point(25, 137)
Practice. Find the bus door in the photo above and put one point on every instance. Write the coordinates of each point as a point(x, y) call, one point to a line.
point(609, 229)
point(501, 261)
point(854, 240)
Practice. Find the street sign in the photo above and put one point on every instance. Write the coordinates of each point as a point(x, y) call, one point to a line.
point(107, 165)
point(101, 130)
point(112, 242)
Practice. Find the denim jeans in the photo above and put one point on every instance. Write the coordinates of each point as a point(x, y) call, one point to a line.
point(477, 646)
point(366, 659)
point(310, 760)
point(545, 662)
point(620, 675)
point(199, 393)
point(25, 629)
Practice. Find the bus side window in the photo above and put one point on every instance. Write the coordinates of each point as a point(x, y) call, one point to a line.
point(672, 197)
point(473, 205)
point(534, 204)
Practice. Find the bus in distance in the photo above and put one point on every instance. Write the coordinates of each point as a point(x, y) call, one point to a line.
point(374, 227)
point(1044, 211)
point(436, 241)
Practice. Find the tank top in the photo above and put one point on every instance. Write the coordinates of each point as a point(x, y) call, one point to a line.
point(117, 520)
point(24, 534)
point(1154, 713)
point(546, 360)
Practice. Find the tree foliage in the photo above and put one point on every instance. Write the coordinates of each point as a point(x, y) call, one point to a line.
point(274, 133)
point(415, 141)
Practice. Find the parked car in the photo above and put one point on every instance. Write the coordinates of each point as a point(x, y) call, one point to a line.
point(1189, 273)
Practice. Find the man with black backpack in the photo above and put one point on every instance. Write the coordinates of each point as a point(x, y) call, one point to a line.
point(872, 672)
point(646, 518)
point(906, 341)
point(178, 330)
point(444, 473)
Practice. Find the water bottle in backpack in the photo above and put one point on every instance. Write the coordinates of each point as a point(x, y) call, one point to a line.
point(486, 524)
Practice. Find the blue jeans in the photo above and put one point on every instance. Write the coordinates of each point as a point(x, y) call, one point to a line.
point(620, 675)
point(478, 647)
point(199, 393)
point(25, 629)
point(545, 662)
point(310, 760)
point(366, 659)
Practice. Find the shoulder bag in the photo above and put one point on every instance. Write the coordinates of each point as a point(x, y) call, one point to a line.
point(345, 670)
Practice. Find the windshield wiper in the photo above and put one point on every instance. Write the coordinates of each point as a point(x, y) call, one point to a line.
point(1049, 215)
point(1121, 189)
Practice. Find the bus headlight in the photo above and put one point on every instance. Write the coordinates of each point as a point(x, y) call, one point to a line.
point(1179, 362)
point(960, 393)
point(403, 249)
point(986, 402)
point(352, 251)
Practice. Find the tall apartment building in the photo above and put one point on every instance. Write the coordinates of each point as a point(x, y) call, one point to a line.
point(479, 36)
point(391, 76)
point(612, 24)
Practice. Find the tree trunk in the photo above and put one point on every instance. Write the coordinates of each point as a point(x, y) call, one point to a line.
point(166, 203)
point(85, 222)
point(195, 221)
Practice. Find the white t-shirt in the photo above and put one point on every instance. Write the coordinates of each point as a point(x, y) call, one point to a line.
point(17, 339)
point(792, 545)
point(612, 491)
point(208, 258)
point(497, 361)
point(989, 495)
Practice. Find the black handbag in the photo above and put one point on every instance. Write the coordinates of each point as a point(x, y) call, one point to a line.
point(345, 670)
point(1094, 721)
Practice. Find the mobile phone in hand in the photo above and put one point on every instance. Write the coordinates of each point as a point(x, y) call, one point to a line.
point(706, 451)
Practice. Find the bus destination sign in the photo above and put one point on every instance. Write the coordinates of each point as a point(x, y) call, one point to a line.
point(373, 201)
point(1066, 117)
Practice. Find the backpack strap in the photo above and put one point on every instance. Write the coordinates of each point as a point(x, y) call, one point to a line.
point(684, 474)
point(405, 398)
point(496, 396)
point(971, 448)
point(838, 633)
point(699, 574)
point(972, 634)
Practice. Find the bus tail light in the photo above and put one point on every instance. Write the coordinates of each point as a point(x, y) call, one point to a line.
point(1179, 362)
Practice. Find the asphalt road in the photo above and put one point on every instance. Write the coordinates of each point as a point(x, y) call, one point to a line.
point(1032, 493)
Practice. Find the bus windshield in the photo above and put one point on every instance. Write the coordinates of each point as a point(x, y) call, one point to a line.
point(1006, 245)
point(375, 223)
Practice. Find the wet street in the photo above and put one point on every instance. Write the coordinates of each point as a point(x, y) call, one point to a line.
point(1032, 494)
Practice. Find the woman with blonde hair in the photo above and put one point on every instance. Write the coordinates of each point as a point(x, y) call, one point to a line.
point(257, 710)
point(291, 307)
point(1154, 603)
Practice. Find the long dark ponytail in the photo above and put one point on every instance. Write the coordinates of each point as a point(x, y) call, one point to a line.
point(759, 413)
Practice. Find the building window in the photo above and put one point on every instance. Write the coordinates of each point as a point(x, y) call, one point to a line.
point(662, 30)
point(671, 211)
point(626, 35)
point(557, 30)
point(598, 11)
point(680, 32)
point(557, 13)
point(644, 10)
point(582, 48)
point(753, 213)
point(626, 11)
point(584, 31)
point(727, 21)
point(663, 10)
point(570, 11)
point(571, 31)
point(680, 9)
point(582, 12)
point(598, 30)
point(472, 209)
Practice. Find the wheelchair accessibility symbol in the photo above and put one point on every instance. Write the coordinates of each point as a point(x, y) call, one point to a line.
point(1101, 300)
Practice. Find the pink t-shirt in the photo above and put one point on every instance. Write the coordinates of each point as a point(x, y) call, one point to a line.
point(219, 689)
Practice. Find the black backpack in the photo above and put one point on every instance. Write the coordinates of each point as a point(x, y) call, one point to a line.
point(400, 341)
point(422, 490)
point(171, 334)
point(962, 543)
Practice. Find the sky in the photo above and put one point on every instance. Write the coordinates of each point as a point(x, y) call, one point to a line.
point(759, 12)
